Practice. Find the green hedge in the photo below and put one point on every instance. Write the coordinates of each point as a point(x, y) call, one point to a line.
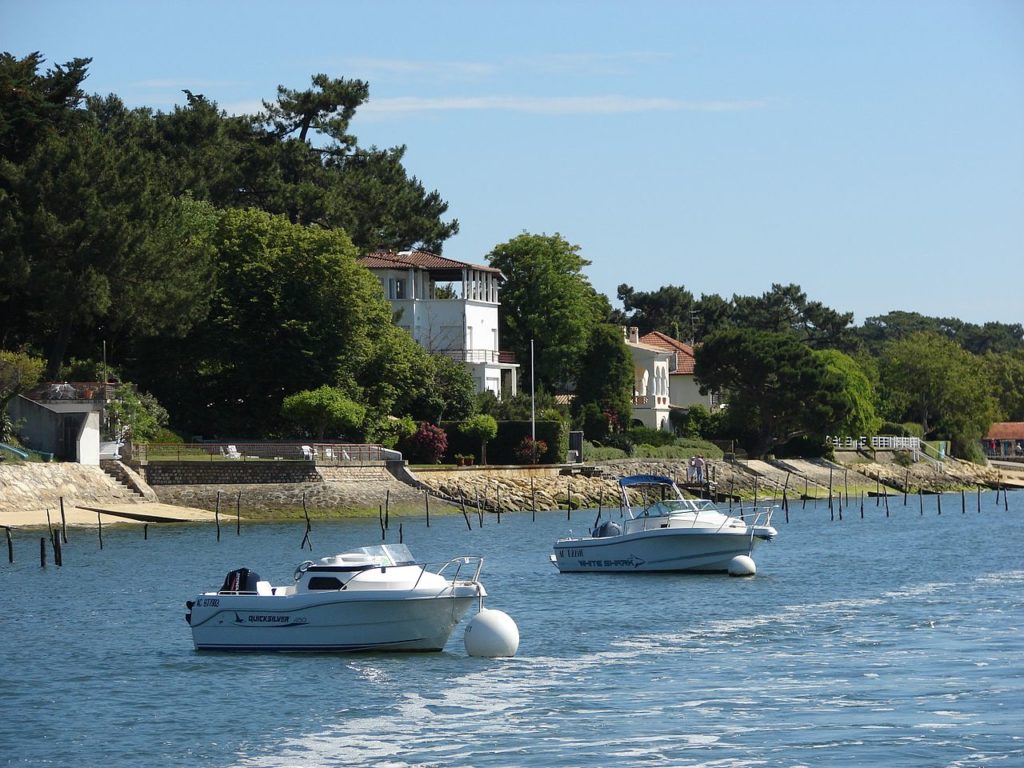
point(501, 450)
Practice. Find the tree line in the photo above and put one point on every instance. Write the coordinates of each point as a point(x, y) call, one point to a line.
point(214, 256)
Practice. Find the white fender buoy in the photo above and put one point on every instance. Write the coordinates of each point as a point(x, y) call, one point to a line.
point(742, 565)
point(492, 633)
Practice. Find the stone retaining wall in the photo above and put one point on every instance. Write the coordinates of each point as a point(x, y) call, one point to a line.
point(30, 486)
point(230, 472)
point(335, 490)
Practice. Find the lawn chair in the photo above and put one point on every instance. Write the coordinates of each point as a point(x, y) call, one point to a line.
point(307, 453)
point(233, 453)
point(328, 454)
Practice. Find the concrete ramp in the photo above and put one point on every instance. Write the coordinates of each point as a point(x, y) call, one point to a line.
point(109, 513)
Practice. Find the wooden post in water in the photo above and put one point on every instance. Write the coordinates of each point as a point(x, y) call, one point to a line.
point(462, 496)
point(58, 557)
point(497, 500)
point(309, 528)
point(42, 551)
point(804, 500)
point(862, 504)
point(878, 483)
point(938, 501)
point(906, 486)
point(426, 504)
point(979, 498)
point(400, 539)
point(145, 531)
point(568, 500)
point(216, 515)
point(963, 502)
point(10, 545)
point(48, 525)
point(920, 498)
point(238, 514)
point(63, 522)
point(99, 528)
point(387, 509)
point(886, 504)
point(846, 489)
point(755, 492)
point(533, 497)
point(380, 519)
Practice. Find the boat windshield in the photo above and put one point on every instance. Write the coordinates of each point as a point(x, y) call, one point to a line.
point(380, 554)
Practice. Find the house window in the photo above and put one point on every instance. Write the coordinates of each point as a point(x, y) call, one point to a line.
point(398, 288)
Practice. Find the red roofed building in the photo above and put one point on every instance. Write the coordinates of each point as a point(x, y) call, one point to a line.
point(1004, 439)
point(683, 389)
point(451, 308)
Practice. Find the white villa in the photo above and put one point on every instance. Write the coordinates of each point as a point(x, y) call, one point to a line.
point(682, 389)
point(450, 307)
point(650, 381)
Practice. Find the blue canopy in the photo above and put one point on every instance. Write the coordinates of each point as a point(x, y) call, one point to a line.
point(626, 482)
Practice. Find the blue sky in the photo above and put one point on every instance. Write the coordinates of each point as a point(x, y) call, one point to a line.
point(871, 152)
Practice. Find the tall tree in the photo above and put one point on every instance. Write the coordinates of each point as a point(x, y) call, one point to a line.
point(292, 310)
point(670, 309)
point(785, 309)
point(547, 299)
point(776, 387)
point(606, 375)
point(1006, 373)
point(930, 379)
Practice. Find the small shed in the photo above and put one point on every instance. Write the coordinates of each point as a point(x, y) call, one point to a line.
point(1005, 439)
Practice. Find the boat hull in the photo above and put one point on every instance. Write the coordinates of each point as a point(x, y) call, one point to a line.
point(343, 622)
point(664, 550)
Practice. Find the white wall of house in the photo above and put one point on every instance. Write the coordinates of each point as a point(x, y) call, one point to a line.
point(465, 328)
point(684, 392)
point(650, 385)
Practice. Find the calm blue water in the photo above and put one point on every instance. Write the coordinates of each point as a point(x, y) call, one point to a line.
point(894, 642)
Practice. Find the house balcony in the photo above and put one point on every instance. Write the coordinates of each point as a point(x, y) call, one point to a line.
point(73, 392)
point(479, 356)
point(650, 401)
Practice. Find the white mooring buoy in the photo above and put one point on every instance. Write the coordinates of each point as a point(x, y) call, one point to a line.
point(742, 565)
point(492, 633)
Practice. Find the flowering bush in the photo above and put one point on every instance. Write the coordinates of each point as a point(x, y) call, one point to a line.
point(426, 445)
point(530, 451)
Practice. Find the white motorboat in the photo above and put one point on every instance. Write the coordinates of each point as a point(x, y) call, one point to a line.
point(372, 598)
point(661, 530)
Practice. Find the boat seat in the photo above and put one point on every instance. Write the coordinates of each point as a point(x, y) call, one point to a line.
point(264, 588)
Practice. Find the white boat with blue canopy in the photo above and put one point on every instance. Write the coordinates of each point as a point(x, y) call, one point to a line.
point(371, 598)
point(662, 530)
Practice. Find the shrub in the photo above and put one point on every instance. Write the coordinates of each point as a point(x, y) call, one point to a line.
point(620, 440)
point(649, 436)
point(426, 445)
point(600, 453)
point(530, 451)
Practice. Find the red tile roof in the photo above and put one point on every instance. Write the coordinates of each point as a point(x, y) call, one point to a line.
point(416, 260)
point(1006, 430)
point(683, 352)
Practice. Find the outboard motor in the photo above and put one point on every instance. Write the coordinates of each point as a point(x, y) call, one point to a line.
point(240, 580)
point(608, 528)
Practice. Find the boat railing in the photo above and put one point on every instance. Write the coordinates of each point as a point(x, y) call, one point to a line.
point(755, 516)
point(467, 562)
